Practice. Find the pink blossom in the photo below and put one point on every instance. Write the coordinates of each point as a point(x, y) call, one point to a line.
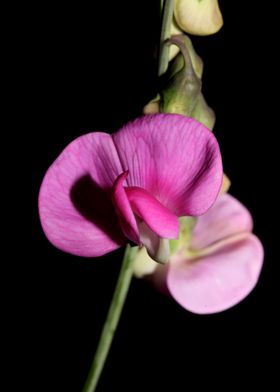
point(221, 264)
point(103, 191)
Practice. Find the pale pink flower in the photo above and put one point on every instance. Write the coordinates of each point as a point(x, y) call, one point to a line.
point(218, 267)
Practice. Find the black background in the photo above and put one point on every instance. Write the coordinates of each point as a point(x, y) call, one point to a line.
point(91, 67)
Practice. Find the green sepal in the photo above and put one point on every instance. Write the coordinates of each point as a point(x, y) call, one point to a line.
point(187, 225)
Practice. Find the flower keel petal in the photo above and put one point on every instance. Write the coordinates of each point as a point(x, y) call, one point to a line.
point(157, 217)
point(124, 211)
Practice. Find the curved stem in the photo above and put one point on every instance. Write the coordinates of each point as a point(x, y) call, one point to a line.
point(177, 40)
point(165, 35)
point(113, 317)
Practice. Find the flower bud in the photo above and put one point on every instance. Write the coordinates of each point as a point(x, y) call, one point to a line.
point(198, 17)
point(182, 94)
point(183, 86)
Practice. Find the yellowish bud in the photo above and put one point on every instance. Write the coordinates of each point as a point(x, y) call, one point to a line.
point(198, 17)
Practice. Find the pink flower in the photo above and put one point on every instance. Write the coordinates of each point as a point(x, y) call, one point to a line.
point(221, 264)
point(103, 190)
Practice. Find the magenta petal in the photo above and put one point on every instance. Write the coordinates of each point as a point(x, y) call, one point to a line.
point(227, 217)
point(219, 281)
point(123, 208)
point(75, 208)
point(157, 217)
point(175, 158)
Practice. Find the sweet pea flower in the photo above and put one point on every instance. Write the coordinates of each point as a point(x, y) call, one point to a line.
point(106, 190)
point(198, 17)
point(214, 269)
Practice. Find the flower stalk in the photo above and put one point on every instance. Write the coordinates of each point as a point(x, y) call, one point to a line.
point(112, 320)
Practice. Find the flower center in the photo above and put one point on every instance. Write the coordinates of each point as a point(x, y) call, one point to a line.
point(143, 219)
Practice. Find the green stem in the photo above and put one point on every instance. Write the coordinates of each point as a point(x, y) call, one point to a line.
point(113, 317)
point(164, 36)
